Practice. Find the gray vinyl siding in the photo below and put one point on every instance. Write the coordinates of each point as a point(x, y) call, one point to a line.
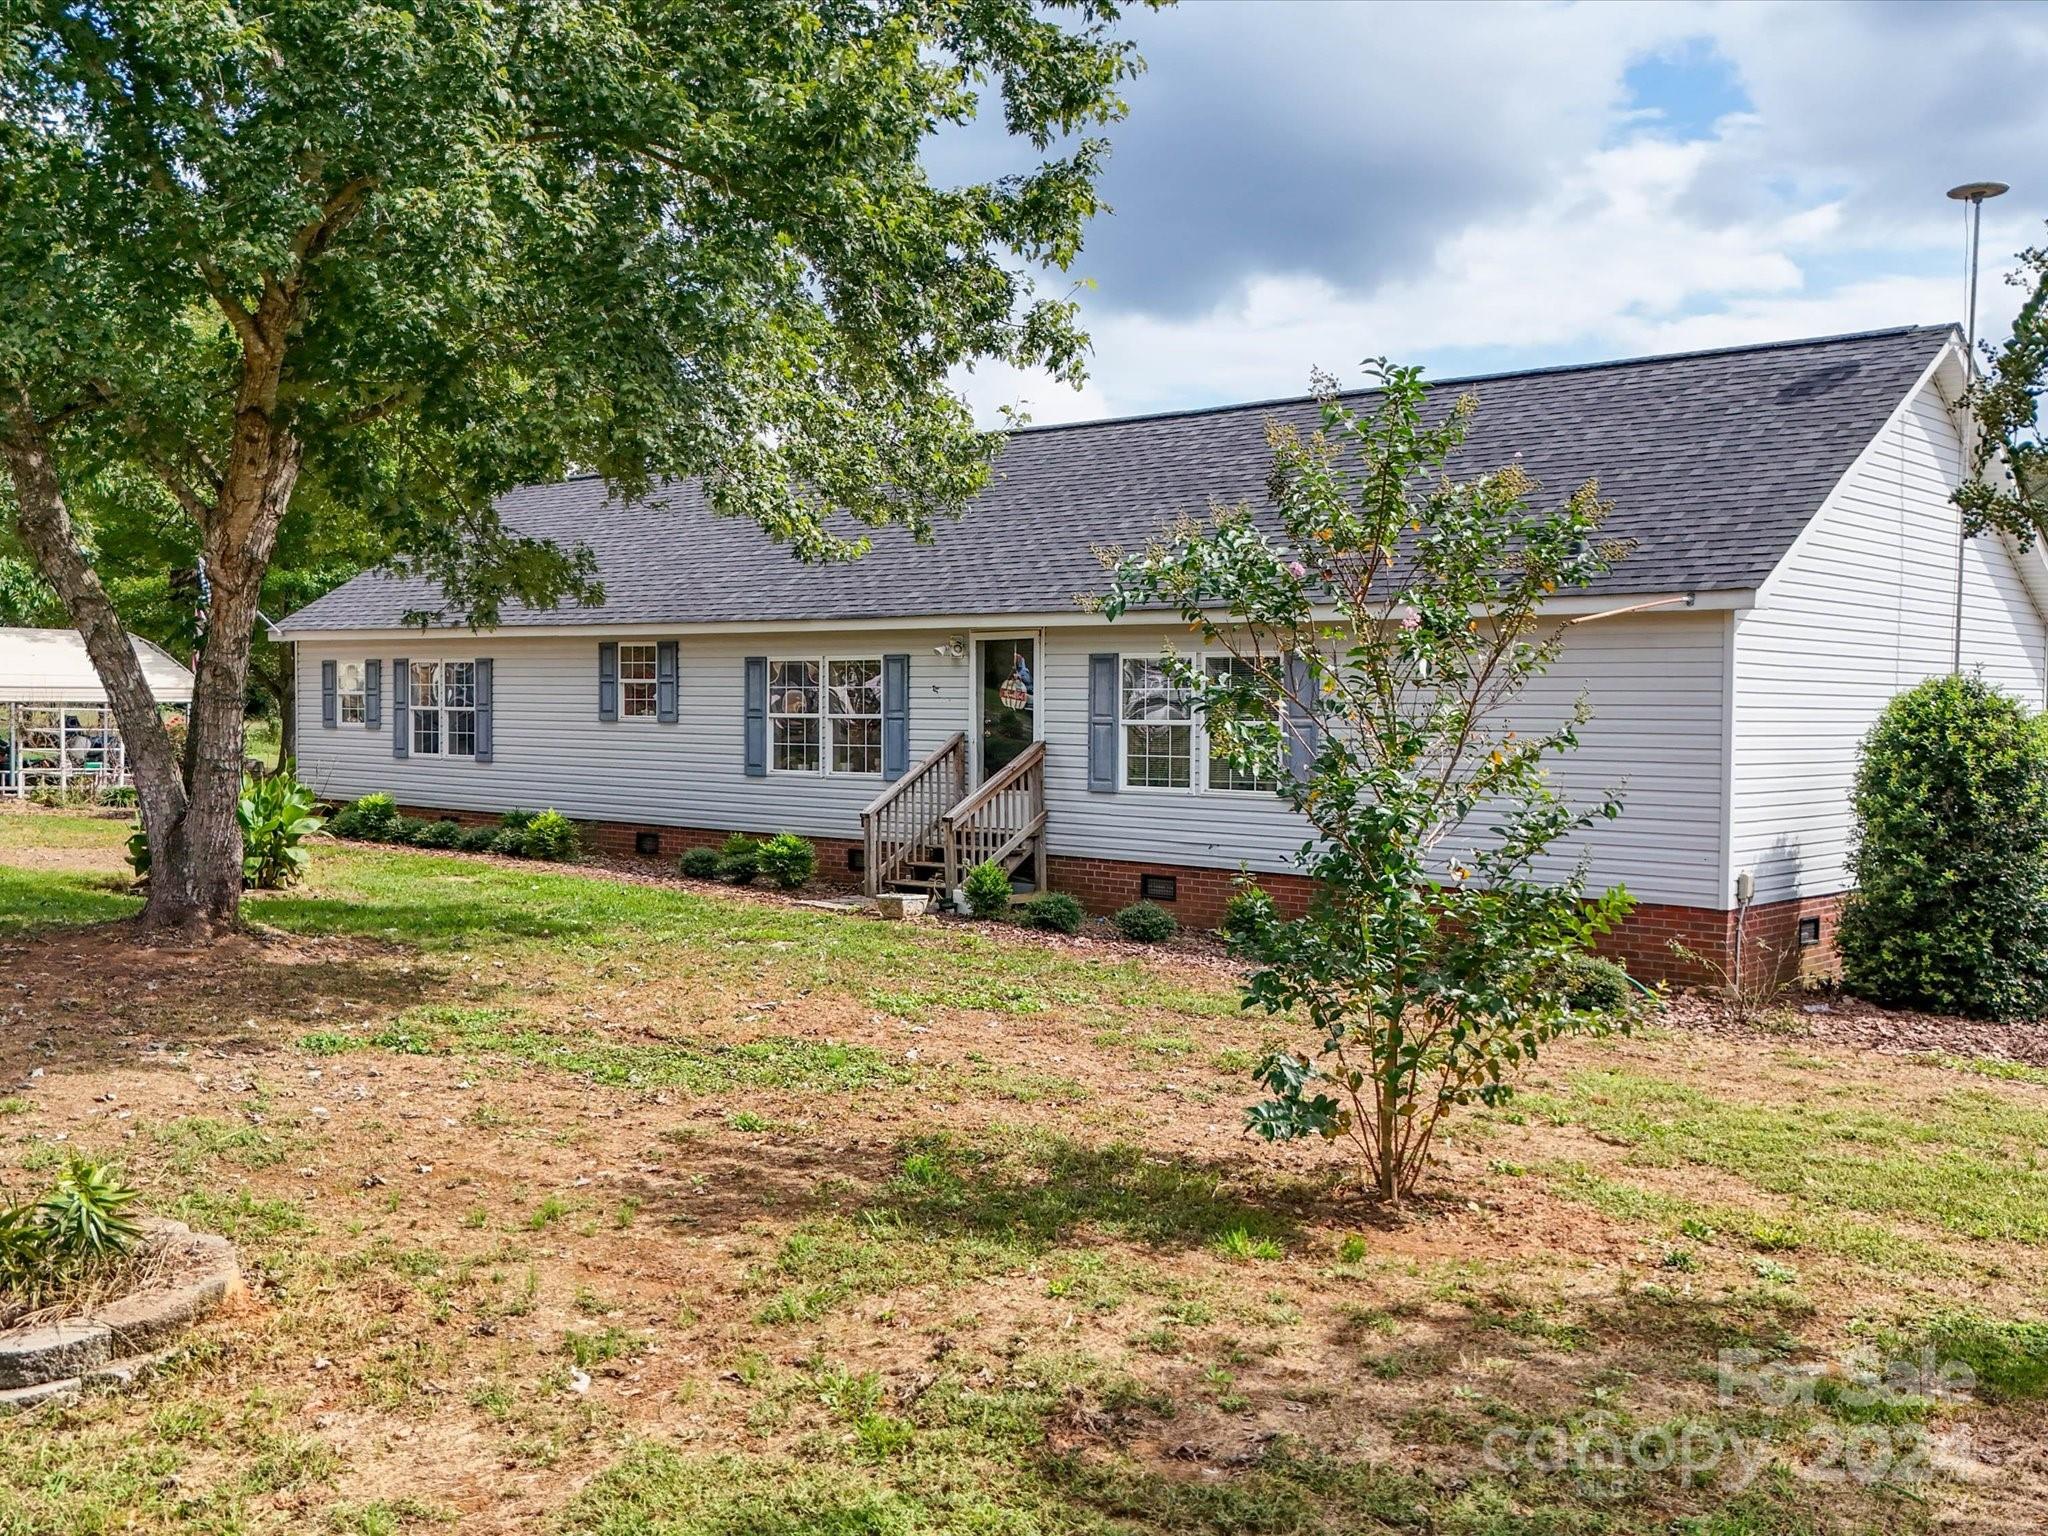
point(552, 750)
point(1654, 681)
point(1861, 610)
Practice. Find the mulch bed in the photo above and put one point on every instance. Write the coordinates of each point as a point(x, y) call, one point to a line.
point(1851, 1022)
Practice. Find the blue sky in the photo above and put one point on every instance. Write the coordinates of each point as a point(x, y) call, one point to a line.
point(1478, 187)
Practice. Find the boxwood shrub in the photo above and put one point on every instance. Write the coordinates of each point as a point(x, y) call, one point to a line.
point(1146, 923)
point(787, 859)
point(699, 863)
point(1950, 907)
point(1052, 911)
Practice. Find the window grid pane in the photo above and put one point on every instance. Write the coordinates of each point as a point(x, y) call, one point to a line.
point(1223, 774)
point(462, 733)
point(796, 743)
point(351, 693)
point(426, 685)
point(856, 746)
point(793, 688)
point(426, 731)
point(638, 680)
point(1160, 756)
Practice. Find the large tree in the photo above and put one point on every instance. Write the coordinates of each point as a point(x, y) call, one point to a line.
point(396, 257)
point(2007, 485)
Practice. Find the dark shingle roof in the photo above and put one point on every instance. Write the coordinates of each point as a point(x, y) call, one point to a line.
point(1714, 461)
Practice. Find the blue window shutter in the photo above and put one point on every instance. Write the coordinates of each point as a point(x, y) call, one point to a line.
point(1102, 743)
point(1301, 740)
point(895, 716)
point(757, 717)
point(608, 680)
point(483, 709)
point(401, 697)
point(373, 693)
point(665, 669)
point(330, 711)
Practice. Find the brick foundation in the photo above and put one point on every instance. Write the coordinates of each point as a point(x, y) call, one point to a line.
point(1770, 933)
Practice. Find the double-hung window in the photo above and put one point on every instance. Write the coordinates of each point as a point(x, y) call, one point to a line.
point(1223, 773)
point(1159, 728)
point(348, 692)
point(825, 716)
point(639, 681)
point(443, 699)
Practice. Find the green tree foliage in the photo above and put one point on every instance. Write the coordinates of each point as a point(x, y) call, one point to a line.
point(1379, 629)
point(1950, 907)
point(2007, 488)
point(387, 259)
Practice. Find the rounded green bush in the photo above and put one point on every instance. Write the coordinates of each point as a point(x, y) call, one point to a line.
point(369, 817)
point(1593, 985)
point(699, 863)
point(438, 834)
point(1247, 915)
point(550, 835)
point(1145, 923)
point(1052, 911)
point(787, 859)
point(516, 820)
point(403, 829)
point(1950, 907)
point(739, 860)
point(509, 840)
point(986, 890)
point(477, 839)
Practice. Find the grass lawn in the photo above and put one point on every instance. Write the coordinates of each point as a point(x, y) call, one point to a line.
point(573, 1205)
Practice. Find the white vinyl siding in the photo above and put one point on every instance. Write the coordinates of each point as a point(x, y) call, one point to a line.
point(1861, 610)
point(550, 749)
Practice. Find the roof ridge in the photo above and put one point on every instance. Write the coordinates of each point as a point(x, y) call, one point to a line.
point(1505, 373)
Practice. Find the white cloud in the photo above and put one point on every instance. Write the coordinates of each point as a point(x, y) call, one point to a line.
point(1451, 183)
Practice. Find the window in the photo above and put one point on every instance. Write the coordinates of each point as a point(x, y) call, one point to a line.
point(836, 728)
point(793, 734)
point(638, 682)
point(443, 700)
point(348, 692)
point(855, 698)
point(1224, 774)
point(1159, 730)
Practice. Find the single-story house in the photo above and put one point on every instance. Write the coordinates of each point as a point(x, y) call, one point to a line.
point(57, 730)
point(1795, 566)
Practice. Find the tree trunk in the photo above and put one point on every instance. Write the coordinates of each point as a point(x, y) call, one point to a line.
point(287, 722)
point(188, 809)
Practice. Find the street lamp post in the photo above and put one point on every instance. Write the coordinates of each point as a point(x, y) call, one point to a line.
point(1974, 193)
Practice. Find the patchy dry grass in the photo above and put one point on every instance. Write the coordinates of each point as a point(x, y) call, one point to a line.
point(580, 1206)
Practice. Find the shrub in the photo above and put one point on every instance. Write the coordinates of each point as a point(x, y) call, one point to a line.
point(1375, 693)
point(369, 817)
point(739, 859)
point(1248, 915)
point(1051, 911)
point(1950, 906)
point(700, 863)
point(509, 840)
point(1146, 923)
point(277, 814)
point(787, 859)
point(80, 1226)
point(477, 839)
point(404, 829)
point(986, 890)
point(517, 820)
point(1593, 985)
point(119, 796)
point(439, 834)
point(550, 836)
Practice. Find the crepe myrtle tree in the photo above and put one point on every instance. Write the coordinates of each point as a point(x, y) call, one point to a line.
point(396, 257)
point(1378, 634)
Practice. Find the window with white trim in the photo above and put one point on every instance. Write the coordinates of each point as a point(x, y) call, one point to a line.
point(442, 695)
point(1158, 725)
point(854, 714)
point(349, 693)
point(1223, 774)
point(825, 715)
point(639, 681)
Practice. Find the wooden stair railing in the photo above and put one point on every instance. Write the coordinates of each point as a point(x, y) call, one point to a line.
point(904, 825)
point(999, 819)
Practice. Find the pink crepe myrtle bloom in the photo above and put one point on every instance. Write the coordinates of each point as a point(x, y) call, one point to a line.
point(1296, 569)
